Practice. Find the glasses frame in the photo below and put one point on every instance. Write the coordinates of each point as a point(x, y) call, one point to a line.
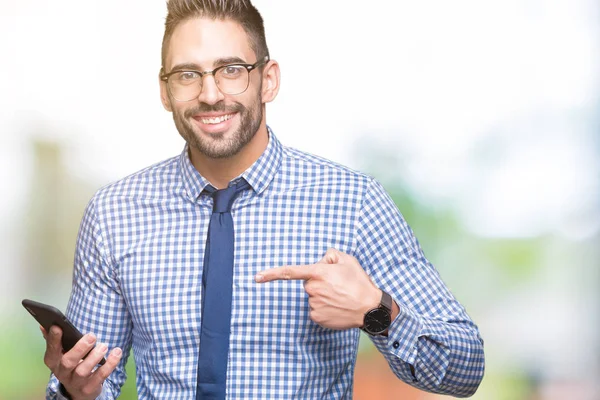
point(249, 68)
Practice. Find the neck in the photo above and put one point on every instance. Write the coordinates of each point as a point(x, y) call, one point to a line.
point(220, 171)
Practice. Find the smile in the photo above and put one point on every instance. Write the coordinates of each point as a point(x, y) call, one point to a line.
point(216, 120)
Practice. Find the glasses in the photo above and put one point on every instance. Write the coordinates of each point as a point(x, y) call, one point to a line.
point(186, 85)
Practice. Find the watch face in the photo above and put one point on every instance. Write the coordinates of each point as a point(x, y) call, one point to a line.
point(377, 321)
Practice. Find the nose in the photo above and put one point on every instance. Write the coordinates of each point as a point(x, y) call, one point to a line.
point(209, 91)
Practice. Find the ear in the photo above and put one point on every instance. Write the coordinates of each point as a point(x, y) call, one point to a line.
point(270, 85)
point(164, 93)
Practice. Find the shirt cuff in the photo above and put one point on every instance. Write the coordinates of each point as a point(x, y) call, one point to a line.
point(403, 335)
point(62, 394)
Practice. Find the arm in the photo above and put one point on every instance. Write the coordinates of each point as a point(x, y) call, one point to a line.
point(432, 343)
point(96, 304)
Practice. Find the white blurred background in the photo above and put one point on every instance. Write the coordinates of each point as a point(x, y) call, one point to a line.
point(482, 116)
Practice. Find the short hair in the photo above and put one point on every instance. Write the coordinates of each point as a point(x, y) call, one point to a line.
point(240, 11)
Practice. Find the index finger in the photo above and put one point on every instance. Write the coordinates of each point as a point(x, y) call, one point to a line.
point(71, 358)
point(296, 272)
point(112, 361)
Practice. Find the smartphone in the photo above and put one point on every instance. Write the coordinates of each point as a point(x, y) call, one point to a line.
point(47, 316)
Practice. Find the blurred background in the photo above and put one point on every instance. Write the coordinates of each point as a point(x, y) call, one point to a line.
point(481, 118)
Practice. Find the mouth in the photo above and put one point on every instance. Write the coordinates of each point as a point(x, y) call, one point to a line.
point(214, 120)
point(214, 123)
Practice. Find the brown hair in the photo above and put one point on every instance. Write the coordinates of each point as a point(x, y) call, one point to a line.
point(240, 11)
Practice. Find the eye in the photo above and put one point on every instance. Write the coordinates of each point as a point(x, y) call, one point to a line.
point(232, 71)
point(186, 76)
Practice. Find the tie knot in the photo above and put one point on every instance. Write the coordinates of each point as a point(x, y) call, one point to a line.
point(223, 198)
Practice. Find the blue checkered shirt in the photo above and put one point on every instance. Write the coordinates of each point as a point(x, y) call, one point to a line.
point(137, 283)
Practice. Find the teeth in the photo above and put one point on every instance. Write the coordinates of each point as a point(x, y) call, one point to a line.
point(216, 120)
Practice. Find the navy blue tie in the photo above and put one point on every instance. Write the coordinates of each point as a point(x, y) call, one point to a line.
point(216, 304)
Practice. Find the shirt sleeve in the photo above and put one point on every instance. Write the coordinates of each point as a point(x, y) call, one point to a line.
point(96, 303)
point(432, 344)
point(57, 392)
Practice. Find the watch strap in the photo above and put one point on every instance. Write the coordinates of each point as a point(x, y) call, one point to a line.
point(386, 301)
point(63, 392)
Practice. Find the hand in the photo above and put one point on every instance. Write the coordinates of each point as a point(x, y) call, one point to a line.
point(339, 290)
point(79, 376)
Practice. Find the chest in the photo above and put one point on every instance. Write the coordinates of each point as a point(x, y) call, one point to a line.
point(159, 252)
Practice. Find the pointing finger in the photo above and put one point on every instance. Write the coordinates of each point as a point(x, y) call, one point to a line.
point(297, 272)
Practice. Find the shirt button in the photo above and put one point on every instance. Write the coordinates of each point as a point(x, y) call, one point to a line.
point(396, 345)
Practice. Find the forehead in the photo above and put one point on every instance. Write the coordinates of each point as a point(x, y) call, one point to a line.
point(203, 40)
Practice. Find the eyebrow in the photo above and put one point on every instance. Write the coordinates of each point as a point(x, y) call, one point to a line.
point(217, 63)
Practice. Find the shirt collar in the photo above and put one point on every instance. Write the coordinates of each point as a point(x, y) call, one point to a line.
point(259, 175)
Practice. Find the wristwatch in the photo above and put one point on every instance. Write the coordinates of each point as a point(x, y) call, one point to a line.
point(379, 319)
point(63, 392)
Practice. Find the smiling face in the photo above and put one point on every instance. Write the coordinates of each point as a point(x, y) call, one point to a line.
point(216, 125)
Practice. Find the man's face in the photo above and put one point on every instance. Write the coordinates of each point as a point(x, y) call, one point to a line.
point(217, 125)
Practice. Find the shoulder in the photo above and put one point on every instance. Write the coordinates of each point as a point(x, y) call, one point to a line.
point(153, 182)
point(307, 165)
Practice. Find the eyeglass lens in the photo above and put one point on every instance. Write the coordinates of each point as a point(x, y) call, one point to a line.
point(187, 85)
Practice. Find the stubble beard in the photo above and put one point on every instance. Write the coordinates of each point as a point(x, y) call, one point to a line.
point(218, 146)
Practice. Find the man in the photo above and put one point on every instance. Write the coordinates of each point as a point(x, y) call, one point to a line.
point(243, 268)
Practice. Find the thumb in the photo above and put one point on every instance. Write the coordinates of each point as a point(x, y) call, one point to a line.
point(332, 256)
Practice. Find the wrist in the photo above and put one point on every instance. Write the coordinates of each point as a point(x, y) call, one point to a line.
point(63, 391)
point(370, 301)
point(395, 309)
point(378, 319)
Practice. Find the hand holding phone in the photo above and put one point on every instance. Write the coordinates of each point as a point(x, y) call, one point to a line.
point(47, 316)
point(76, 368)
